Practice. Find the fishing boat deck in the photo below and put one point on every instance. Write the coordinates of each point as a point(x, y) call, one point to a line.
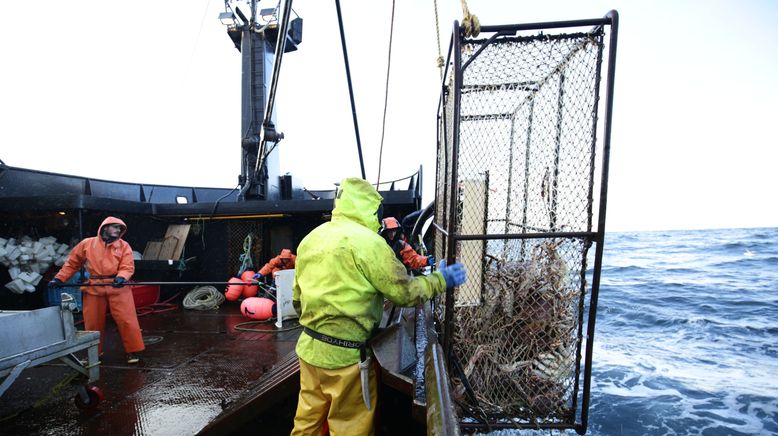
point(195, 366)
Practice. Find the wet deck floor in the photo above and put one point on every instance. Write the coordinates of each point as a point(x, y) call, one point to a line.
point(198, 365)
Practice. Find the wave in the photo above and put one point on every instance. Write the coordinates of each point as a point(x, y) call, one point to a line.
point(747, 261)
point(686, 339)
point(620, 269)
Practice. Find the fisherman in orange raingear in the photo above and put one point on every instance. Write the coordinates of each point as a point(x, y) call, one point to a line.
point(285, 260)
point(393, 235)
point(108, 259)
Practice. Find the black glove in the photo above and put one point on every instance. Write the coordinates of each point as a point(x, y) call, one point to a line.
point(118, 282)
point(56, 283)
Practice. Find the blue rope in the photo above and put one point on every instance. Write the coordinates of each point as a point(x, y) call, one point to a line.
point(245, 259)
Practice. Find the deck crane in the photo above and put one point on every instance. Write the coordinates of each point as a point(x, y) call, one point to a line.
point(253, 37)
point(257, 38)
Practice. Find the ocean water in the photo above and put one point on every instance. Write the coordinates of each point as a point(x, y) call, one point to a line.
point(686, 338)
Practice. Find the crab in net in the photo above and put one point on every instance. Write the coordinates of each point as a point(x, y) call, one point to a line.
point(517, 347)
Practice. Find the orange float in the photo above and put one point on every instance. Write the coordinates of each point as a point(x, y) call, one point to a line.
point(258, 308)
point(233, 292)
point(249, 290)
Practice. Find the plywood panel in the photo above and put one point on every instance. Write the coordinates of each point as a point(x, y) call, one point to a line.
point(168, 249)
point(152, 250)
point(177, 232)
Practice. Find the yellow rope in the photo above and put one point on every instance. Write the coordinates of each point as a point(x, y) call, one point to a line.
point(470, 22)
point(69, 377)
point(440, 60)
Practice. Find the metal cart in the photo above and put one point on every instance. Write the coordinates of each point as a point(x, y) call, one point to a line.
point(32, 337)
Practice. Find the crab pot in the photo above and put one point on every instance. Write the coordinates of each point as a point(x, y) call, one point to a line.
point(520, 200)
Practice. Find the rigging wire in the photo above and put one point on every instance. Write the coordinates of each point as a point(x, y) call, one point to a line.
point(386, 97)
point(197, 39)
point(350, 89)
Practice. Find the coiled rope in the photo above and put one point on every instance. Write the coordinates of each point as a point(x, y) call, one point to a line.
point(203, 298)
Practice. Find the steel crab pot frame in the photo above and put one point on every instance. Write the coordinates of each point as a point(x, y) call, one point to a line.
point(521, 190)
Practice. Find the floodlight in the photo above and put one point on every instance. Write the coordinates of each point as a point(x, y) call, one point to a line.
point(268, 14)
point(227, 18)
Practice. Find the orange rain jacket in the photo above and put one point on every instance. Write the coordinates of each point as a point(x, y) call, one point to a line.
point(409, 256)
point(103, 261)
point(275, 263)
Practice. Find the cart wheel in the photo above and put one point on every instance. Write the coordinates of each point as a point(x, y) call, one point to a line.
point(94, 395)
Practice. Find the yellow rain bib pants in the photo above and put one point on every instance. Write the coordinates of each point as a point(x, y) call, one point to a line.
point(334, 395)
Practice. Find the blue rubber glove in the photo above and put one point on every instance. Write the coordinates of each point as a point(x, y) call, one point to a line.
point(454, 275)
point(118, 282)
point(56, 283)
point(257, 276)
point(430, 260)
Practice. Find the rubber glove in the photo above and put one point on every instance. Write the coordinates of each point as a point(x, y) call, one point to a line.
point(430, 260)
point(56, 283)
point(257, 276)
point(118, 282)
point(454, 275)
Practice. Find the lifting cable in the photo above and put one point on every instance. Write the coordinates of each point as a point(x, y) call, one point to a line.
point(386, 97)
point(350, 89)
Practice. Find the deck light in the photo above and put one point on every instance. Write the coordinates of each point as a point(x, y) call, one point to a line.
point(268, 15)
point(227, 18)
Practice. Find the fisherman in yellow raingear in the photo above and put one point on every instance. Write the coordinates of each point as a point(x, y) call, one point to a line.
point(344, 271)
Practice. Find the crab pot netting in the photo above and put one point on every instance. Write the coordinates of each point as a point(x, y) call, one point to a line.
point(525, 192)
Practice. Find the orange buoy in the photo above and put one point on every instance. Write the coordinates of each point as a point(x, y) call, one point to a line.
point(233, 292)
point(249, 290)
point(258, 308)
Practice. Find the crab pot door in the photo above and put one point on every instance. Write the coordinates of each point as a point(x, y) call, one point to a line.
point(473, 221)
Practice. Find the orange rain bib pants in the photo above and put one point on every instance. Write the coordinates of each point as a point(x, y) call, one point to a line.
point(122, 305)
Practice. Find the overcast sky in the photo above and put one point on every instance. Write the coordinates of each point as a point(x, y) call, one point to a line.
point(149, 91)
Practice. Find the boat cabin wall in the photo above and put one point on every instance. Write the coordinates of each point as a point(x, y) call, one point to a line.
point(211, 253)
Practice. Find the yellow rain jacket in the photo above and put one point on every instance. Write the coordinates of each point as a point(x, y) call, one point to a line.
point(344, 269)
